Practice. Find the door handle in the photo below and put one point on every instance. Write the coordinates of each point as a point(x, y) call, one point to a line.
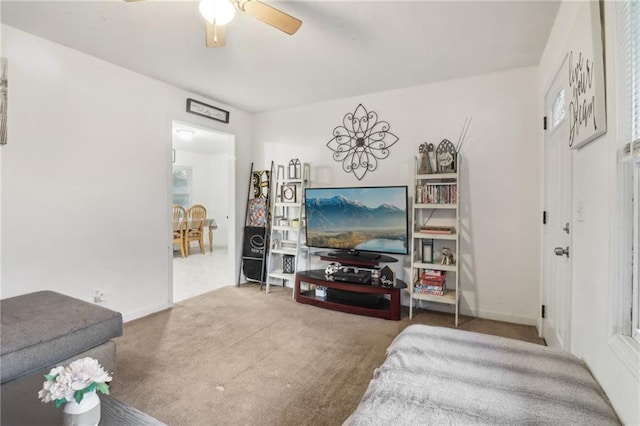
point(559, 251)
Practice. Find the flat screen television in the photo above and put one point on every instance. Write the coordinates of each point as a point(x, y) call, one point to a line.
point(352, 220)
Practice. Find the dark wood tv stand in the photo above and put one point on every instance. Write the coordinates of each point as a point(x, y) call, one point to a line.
point(387, 309)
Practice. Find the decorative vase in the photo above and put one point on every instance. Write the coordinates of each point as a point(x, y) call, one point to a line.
point(85, 413)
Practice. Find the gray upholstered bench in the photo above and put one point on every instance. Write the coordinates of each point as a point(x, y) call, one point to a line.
point(43, 329)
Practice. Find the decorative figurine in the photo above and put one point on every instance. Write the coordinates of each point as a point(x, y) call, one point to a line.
point(447, 257)
point(387, 277)
point(332, 269)
point(425, 160)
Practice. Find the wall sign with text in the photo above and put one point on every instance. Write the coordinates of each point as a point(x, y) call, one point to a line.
point(199, 108)
point(585, 78)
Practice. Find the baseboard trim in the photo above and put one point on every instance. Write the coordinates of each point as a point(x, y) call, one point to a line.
point(130, 316)
point(495, 316)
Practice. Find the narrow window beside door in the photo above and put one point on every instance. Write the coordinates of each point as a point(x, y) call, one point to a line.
point(181, 185)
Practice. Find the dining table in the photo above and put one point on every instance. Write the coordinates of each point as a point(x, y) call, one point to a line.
point(211, 224)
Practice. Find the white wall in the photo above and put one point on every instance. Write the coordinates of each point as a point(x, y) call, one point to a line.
point(594, 306)
point(86, 173)
point(500, 211)
point(210, 183)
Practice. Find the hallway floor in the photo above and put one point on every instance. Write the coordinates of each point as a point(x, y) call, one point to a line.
point(200, 273)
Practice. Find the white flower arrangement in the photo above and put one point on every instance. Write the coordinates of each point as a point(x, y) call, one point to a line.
point(70, 383)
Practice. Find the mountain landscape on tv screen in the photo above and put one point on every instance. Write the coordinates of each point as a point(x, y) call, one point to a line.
point(339, 222)
point(339, 214)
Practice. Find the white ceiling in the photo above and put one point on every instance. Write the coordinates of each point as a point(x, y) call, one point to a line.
point(343, 49)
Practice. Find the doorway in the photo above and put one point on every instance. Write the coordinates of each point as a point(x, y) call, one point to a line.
point(556, 255)
point(203, 170)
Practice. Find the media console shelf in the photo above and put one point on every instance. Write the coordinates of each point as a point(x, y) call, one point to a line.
point(356, 260)
point(384, 308)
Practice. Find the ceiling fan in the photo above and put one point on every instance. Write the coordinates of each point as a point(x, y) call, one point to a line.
point(218, 13)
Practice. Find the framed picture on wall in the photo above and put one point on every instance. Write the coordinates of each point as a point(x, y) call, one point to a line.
point(209, 111)
point(584, 79)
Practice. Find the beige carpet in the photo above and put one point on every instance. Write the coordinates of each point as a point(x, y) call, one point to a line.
point(237, 356)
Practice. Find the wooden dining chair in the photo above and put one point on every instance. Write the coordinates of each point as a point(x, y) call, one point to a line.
point(195, 218)
point(179, 226)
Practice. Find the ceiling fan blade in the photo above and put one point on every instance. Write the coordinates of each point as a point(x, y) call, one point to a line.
point(270, 15)
point(215, 35)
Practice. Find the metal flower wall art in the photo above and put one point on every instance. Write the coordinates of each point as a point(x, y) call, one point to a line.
point(361, 142)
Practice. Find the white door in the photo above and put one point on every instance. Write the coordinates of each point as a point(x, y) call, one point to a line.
point(556, 256)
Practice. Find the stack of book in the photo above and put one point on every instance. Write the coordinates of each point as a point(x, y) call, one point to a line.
point(444, 230)
point(431, 282)
point(437, 193)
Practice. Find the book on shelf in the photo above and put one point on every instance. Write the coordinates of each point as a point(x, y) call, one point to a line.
point(434, 272)
point(437, 193)
point(432, 278)
point(423, 287)
point(424, 290)
point(425, 280)
point(438, 230)
point(437, 284)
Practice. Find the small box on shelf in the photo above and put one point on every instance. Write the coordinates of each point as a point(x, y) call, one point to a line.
point(321, 291)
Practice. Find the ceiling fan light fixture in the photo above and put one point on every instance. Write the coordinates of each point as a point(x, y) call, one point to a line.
point(218, 12)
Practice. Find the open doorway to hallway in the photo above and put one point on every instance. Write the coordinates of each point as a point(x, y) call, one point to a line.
point(203, 163)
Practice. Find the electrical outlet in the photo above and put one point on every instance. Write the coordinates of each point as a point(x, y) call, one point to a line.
point(98, 295)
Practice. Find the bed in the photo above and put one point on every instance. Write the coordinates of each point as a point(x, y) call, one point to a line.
point(436, 376)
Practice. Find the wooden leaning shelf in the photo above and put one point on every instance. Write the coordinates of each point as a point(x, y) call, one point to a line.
point(435, 228)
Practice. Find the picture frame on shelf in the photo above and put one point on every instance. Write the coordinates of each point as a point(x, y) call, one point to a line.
point(427, 251)
point(295, 169)
point(288, 193)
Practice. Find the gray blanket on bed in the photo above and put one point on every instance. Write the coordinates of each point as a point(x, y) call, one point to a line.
point(440, 376)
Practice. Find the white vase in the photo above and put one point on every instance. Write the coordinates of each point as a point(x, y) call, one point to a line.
point(85, 413)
